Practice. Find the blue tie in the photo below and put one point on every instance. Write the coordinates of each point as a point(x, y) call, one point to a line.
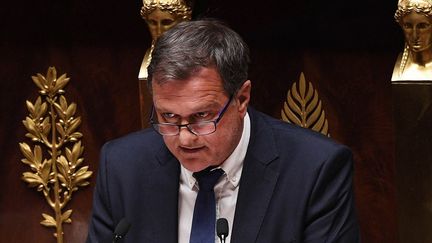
point(204, 217)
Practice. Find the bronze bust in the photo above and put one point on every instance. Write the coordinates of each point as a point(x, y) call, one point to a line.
point(415, 62)
point(161, 15)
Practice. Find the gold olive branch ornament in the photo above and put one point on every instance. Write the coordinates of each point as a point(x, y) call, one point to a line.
point(52, 127)
point(303, 107)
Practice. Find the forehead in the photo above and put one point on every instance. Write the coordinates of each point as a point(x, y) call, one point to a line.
point(415, 17)
point(203, 87)
point(158, 14)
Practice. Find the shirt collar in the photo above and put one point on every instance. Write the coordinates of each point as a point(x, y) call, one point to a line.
point(232, 166)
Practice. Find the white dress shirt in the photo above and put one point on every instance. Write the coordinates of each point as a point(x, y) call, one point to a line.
point(226, 190)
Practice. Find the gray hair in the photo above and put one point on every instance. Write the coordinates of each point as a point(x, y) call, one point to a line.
point(191, 45)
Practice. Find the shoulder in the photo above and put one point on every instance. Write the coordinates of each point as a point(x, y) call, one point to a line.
point(133, 145)
point(292, 141)
point(140, 138)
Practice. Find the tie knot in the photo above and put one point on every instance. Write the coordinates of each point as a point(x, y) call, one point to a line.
point(208, 178)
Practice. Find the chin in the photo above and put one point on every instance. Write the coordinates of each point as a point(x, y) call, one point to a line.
point(194, 167)
point(194, 164)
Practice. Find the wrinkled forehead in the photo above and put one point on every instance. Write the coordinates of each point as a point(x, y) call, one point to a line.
point(204, 79)
point(167, 72)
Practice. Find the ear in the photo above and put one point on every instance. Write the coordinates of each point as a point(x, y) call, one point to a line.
point(243, 97)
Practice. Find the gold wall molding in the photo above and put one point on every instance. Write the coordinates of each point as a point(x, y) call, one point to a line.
point(55, 154)
point(304, 108)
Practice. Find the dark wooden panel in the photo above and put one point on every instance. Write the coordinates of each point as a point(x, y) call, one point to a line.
point(413, 132)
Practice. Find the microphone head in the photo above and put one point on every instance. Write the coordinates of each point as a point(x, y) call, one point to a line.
point(122, 228)
point(222, 227)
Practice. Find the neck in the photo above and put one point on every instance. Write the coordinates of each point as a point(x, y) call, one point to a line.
point(422, 58)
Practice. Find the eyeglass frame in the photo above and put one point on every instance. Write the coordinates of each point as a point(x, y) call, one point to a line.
point(215, 122)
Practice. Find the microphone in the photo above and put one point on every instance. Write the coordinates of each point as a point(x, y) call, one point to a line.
point(222, 229)
point(121, 230)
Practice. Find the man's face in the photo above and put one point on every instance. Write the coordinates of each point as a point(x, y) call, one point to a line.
point(418, 31)
point(200, 98)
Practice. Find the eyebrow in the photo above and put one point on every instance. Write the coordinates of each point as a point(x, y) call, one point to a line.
point(201, 108)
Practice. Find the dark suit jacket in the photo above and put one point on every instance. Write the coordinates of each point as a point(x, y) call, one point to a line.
point(296, 186)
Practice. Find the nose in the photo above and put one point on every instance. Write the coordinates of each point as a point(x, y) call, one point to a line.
point(415, 34)
point(158, 30)
point(186, 137)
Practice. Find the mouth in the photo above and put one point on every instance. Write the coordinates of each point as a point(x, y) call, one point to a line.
point(416, 43)
point(190, 150)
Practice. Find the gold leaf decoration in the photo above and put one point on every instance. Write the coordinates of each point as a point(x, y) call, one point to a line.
point(56, 157)
point(304, 108)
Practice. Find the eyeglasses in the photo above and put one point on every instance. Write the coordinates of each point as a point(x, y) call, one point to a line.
point(198, 128)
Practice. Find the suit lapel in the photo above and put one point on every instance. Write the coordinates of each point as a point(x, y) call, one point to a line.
point(257, 182)
point(163, 198)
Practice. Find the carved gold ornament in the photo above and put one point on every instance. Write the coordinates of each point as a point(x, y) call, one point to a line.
point(304, 108)
point(56, 158)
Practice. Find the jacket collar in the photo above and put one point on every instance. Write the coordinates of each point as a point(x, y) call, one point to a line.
point(257, 182)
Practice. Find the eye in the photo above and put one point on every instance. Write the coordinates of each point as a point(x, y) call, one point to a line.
point(151, 22)
point(202, 115)
point(167, 22)
point(168, 116)
point(423, 25)
point(407, 26)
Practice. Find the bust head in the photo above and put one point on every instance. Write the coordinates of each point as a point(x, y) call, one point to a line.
point(415, 19)
point(161, 15)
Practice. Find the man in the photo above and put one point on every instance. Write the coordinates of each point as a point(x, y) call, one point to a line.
point(280, 183)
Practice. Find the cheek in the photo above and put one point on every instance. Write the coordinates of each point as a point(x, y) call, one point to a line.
point(408, 34)
point(428, 38)
point(151, 27)
point(153, 32)
point(167, 27)
point(229, 134)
